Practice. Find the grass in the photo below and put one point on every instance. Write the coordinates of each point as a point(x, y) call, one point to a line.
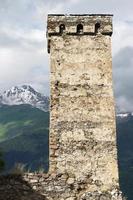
point(3, 130)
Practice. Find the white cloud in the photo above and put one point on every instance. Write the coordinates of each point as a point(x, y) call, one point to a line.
point(122, 36)
point(23, 44)
point(19, 59)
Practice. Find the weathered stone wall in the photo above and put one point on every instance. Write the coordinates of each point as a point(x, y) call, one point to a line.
point(83, 155)
point(82, 122)
point(50, 187)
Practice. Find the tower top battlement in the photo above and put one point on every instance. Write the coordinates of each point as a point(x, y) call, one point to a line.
point(68, 24)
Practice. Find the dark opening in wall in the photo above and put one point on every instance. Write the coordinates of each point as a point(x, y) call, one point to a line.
point(79, 28)
point(97, 27)
point(61, 28)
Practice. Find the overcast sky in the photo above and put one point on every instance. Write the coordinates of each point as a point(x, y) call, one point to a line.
point(23, 52)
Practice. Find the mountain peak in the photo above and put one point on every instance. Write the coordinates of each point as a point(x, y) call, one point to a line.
point(24, 94)
point(27, 87)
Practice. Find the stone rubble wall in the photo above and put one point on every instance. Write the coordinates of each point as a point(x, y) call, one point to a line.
point(50, 187)
point(82, 117)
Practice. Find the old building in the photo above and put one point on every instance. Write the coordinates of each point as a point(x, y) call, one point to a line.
point(82, 122)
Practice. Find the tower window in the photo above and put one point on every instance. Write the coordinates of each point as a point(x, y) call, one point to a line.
point(79, 28)
point(97, 27)
point(61, 28)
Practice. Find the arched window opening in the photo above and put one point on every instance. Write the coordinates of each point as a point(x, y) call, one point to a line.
point(97, 27)
point(62, 28)
point(79, 28)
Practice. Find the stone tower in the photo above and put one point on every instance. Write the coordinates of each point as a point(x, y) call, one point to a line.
point(82, 116)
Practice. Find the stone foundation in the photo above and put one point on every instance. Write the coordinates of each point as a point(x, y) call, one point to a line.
point(51, 187)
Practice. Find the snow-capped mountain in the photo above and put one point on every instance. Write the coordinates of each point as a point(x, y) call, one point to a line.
point(24, 94)
point(124, 115)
